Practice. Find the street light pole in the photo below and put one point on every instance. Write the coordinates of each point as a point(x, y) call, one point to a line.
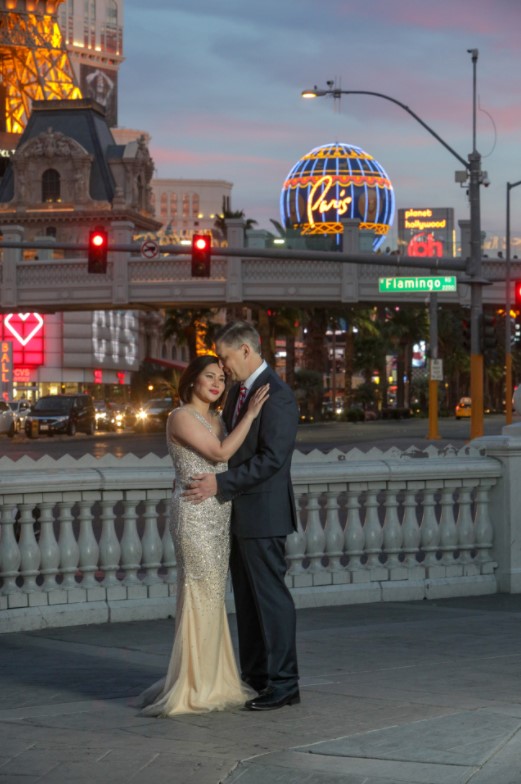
point(476, 294)
point(509, 391)
point(473, 168)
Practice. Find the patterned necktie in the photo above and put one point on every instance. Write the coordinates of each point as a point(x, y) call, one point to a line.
point(242, 396)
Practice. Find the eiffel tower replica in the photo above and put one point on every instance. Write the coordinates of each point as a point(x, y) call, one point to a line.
point(34, 63)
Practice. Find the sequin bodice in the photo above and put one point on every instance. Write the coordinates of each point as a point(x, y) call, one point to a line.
point(187, 462)
point(201, 532)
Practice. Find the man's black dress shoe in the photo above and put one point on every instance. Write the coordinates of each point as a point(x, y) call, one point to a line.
point(272, 698)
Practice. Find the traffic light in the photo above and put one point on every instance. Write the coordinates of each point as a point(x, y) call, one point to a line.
point(201, 255)
point(97, 254)
point(465, 334)
point(488, 332)
point(517, 292)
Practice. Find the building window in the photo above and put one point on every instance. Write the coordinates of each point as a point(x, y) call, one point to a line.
point(173, 205)
point(163, 351)
point(90, 23)
point(173, 352)
point(186, 206)
point(164, 207)
point(51, 185)
point(50, 231)
point(195, 205)
point(110, 42)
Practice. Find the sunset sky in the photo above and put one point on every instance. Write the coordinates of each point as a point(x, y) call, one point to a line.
point(217, 85)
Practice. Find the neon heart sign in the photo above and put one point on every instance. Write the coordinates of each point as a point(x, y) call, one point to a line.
point(34, 326)
point(26, 331)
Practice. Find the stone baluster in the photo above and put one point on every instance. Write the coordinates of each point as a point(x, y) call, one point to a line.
point(10, 556)
point(483, 528)
point(89, 548)
point(448, 532)
point(296, 544)
point(131, 549)
point(49, 548)
point(410, 525)
point(29, 548)
point(374, 536)
point(392, 530)
point(464, 524)
point(315, 535)
point(169, 561)
point(429, 531)
point(69, 548)
point(152, 547)
point(334, 532)
point(354, 532)
point(109, 546)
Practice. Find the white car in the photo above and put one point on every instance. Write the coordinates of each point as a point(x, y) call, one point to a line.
point(7, 419)
point(21, 408)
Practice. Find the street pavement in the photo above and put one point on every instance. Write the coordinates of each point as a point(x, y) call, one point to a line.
point(397, 693)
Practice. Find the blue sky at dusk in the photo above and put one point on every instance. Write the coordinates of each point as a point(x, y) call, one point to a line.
point(217, 85)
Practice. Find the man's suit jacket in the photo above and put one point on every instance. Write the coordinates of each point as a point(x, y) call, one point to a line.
point(258, 477)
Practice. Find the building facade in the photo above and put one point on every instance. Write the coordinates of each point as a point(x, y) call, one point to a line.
point(93, 35)
point(187, 206)
point(67, 176)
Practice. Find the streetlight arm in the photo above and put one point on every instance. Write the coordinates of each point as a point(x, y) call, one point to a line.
point(336, 93)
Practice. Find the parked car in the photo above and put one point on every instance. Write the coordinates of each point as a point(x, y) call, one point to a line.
point(464, 408)
point(21, 408)
point(153, 414)
point(7, 419)
point(61, 414)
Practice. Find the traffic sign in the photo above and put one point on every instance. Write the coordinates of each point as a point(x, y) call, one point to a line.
point(414, 285)
point(436, 369)
point(149, 249)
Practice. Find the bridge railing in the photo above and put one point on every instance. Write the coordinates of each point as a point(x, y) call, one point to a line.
point(88, 541)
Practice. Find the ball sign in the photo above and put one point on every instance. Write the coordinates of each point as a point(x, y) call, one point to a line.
point(334, 182)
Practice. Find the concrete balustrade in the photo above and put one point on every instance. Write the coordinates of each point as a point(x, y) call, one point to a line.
point(87, 541)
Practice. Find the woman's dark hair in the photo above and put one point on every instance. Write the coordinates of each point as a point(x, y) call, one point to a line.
point(190, 374)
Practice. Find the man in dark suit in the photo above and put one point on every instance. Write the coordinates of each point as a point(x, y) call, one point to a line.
point(259, 485)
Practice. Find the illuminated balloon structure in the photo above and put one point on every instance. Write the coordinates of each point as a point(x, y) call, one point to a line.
point(334, 182)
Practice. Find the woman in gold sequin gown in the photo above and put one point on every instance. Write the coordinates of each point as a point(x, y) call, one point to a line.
point(202, 674)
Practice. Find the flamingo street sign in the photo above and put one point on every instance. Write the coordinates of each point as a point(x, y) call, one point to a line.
point(414, 285)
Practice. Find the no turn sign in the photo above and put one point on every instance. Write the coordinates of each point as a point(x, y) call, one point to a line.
point(149, 249)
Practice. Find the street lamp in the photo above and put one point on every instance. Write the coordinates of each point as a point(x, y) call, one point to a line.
point(475, 177)
point(508, 327)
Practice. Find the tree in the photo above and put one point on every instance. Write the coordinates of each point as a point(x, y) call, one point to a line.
point(191, 327)
point(405, 326)
point(220, 221)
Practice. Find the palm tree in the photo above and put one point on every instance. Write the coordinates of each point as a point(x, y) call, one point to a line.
point(405, 326)
point(220, 221)
point(284, 322)
point(191, 327)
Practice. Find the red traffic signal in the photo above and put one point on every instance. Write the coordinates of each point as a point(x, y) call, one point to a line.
point(201, 255)
point(517, 292)
point(98, 248)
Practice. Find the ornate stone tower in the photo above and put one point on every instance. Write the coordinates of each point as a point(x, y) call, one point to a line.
point(34, 63)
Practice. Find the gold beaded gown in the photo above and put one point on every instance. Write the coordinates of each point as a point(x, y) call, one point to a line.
point(202, 675)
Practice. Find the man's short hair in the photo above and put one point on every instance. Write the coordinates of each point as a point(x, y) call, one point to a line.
point(236, 333)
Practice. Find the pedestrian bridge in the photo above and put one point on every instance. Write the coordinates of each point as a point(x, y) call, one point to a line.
point(250, 276)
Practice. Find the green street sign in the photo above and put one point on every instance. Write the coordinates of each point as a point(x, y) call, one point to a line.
point(414, 285)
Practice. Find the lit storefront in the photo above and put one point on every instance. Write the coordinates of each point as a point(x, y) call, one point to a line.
point(92, 352)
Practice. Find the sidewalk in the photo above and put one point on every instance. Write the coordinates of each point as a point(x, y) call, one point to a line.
point(412, 693)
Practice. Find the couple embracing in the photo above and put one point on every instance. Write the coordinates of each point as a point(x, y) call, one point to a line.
point(232, 504)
